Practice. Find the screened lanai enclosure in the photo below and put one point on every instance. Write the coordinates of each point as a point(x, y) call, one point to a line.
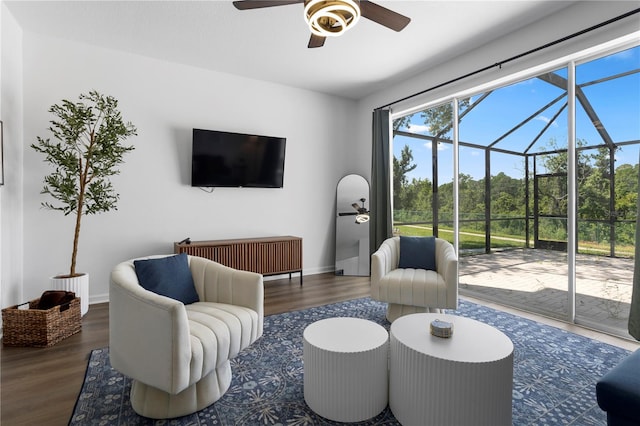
point(515, 177)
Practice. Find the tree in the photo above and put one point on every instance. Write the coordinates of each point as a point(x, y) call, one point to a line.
point(415, 200)
point(439, 118)
point(507, 196)
point(594, 185)
point(409, 196)
point(470, 194)
point(626, 203)
point(401, 167)
point(85, 156)
point(627, 191)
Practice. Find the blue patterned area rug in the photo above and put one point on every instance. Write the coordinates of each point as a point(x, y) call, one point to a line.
point(555, 372)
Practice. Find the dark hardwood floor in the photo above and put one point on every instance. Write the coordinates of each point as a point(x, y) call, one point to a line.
point(39, 386)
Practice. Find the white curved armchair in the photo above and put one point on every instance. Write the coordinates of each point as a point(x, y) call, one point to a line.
point(412, 290)
point(178, 355)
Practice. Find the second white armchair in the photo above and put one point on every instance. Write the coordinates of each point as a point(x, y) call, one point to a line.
point(410, 290)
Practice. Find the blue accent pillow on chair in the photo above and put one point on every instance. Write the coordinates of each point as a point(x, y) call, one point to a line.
point(168, 276)
point(417, 253)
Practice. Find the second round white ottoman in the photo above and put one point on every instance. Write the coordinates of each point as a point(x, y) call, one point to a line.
point(346, 368)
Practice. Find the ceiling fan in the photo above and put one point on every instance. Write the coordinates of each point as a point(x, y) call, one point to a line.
point(361, 213)
point(331, 18)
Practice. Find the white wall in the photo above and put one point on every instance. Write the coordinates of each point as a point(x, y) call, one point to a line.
point(165, 101)
point(577, 17)
point(11, 192)
point(157, 204)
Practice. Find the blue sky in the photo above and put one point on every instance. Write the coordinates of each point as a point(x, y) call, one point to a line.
point(616, 102)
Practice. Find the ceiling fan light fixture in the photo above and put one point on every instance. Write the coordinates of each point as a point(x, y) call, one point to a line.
point(363, 213)
point(331, 18)
point(362, 218)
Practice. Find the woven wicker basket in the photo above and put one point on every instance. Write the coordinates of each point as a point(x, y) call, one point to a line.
point(40, 328)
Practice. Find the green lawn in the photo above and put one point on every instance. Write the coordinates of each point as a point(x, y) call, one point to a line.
point(473, 240)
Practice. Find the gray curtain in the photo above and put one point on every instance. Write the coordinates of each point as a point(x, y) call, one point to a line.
point(380, 225)
point(634, 314)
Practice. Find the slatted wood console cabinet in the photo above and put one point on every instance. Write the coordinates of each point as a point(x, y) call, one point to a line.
point(266, 256)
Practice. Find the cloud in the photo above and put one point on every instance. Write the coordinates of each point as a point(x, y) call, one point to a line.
point(441, 146)
point(419, 128)
point(546, 120)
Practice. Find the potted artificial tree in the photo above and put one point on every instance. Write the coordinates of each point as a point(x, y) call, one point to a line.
point(87, 152)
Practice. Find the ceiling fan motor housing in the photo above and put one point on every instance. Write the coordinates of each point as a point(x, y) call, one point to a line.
point(331, 17)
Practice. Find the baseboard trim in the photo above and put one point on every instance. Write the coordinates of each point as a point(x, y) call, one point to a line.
point(98, 298)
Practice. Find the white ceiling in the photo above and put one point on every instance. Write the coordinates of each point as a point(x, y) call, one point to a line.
point(271, 43)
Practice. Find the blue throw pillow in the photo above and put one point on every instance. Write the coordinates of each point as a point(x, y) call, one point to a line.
point(417, 253)
point(168, 276)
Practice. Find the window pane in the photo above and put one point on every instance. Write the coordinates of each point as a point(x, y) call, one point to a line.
point(608, 124)
point(422, 155)
point(514, 136)
point(513, 236)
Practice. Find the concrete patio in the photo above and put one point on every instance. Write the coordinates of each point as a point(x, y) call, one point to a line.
point(536, 280)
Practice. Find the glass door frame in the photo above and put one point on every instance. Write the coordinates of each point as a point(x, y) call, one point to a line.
point(570, 62)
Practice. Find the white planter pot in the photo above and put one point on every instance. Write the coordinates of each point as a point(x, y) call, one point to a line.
point(79, 285)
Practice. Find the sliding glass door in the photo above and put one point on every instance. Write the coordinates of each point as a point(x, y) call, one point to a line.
point(509, 140)
point(516, 204)
point(608, 134)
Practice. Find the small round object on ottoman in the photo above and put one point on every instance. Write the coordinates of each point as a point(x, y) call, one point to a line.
point(345, 368)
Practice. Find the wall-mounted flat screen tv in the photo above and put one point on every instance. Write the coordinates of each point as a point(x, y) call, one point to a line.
point(237, 160)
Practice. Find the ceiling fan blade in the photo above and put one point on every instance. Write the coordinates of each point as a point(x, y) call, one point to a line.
point(258, 4)
point(316, 41)
point(383, 16)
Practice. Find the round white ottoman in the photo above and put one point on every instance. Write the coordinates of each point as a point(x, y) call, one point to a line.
point(346, 368)
point(466, 379)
